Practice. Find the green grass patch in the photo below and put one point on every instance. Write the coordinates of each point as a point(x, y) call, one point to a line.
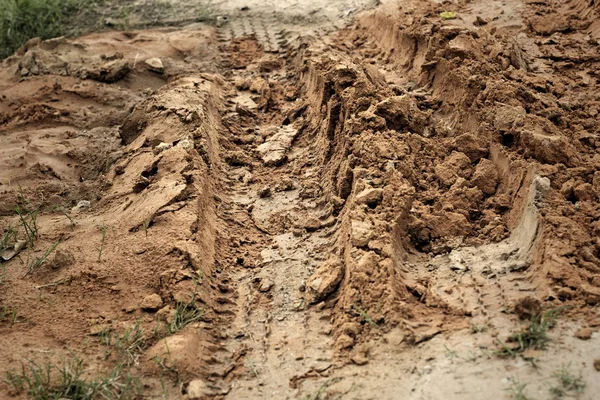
point(68, 381)
point(21, 20)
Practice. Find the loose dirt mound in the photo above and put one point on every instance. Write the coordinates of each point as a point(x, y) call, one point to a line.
point(257, 221)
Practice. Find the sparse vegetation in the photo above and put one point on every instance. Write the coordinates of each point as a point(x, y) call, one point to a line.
point(29, 224)
point(130, 344)
point(2, 273)
point(37, 262)
point(8, 239)
point(50, 381)
point(318, 393)
point(476, 328)
point(568, 383)
point(66, 214)
point(364, 315)
point(184, 314)
point(101, 248)
point(146, 224)
point(250, 364)
point(450, 354)
point(517, 389)
point(8, 314)
point(535, 336)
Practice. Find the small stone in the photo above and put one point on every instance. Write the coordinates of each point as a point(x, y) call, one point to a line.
point(298, 232)
point(565, 293)
point(298, 305)
point(370, 197)
point(361, 233)
point(129, 308)
point(359, 359)
point(155, 65)
point(337, 202)
point(162, 146)
point(584, 333)
point(221, 20)
point(265, 192)
point(63, 258)
point(197, 389)
point(532, 354)
point(486, 176)
point(151, 302)
point(242, 83)
point(109, 21)
point(311, 224)
point(82, 205)
point(285, 185)
point(456, 165)
point(528, 308)
point(265, 285)
point(325, 280)
point(258, 85)
point(597, 364)
point(274, 150)
point(184, 296)
point(166, 314)
point(584, 192)
point(99, 329)
point(237, 158)
point(344, 342)
point(479, 21)
point(270, 65)
point(187, 144)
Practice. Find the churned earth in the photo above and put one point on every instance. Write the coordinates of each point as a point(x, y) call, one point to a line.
point(308, 200)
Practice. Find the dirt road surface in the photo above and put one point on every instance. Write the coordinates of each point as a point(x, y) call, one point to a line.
point(309, 200)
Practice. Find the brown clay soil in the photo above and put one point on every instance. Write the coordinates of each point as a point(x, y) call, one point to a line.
point(355, 200)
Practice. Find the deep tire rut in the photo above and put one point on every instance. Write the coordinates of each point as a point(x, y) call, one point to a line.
point(273, 336)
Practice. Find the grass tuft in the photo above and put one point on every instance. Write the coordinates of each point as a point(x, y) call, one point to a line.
point(535, 336)
point(130, 344)
point(568, 383)
point(517, 389)
point(184, 314)
point(49, 381)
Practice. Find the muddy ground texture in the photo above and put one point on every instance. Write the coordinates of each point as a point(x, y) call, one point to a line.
point(254, 210)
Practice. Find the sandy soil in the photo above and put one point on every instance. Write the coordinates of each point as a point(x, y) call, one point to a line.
point(354, 200)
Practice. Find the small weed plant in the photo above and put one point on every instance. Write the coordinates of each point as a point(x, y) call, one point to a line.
point(102, 241)
point(535, 336)
point(517, 389)
point(568, 383)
